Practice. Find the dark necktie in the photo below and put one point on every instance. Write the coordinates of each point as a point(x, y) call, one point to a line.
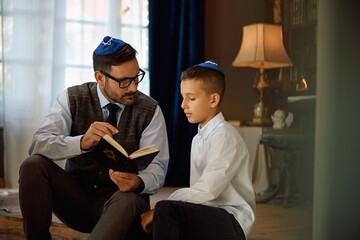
point(113, 108)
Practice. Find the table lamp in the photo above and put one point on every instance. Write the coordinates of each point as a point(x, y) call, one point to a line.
point(262, 47)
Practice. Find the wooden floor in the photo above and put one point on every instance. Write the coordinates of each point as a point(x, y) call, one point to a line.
point(273, 223)
point(11, 229)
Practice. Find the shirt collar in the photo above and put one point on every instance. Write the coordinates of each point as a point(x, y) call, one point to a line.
point(205, 131)
point(104, 101)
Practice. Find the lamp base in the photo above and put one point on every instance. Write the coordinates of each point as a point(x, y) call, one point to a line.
point(261, 114)
point(260, 110)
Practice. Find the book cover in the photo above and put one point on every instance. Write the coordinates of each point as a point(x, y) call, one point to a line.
point(111, 155)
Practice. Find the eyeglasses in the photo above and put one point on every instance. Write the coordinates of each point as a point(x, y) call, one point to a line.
point(124, 83)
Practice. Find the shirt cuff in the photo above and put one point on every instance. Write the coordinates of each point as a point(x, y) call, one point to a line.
point(73, 149)
point(148, 183)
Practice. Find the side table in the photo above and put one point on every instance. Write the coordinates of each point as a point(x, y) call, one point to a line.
point(290, 141)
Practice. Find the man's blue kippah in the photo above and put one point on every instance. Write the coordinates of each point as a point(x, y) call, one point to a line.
point(109, 45)
point(212, 65)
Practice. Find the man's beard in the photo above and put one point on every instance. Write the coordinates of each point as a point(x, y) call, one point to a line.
point(121, 100)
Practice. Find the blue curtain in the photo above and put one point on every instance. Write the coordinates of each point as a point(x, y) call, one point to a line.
point(176, 42)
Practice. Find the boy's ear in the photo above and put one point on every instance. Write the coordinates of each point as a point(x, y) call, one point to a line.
point(215, 99)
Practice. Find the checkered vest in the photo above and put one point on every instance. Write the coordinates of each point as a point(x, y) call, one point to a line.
point(85, 109)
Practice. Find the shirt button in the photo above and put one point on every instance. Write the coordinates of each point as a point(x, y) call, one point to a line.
point(95, 186)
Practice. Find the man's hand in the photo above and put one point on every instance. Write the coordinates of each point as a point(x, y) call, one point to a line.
point(126, 182)
point(95, 132)
point(146, 220)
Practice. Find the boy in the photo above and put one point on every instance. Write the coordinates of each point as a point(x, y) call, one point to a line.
point(220, 202)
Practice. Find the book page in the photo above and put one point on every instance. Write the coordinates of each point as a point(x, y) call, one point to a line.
point(143, 151)
point(115, 144)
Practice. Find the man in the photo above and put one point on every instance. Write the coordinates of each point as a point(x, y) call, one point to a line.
point(86, 196)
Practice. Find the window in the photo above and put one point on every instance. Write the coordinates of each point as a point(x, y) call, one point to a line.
point(54, 44)
point(86, 22)
point(1, 69)
point(47, 46)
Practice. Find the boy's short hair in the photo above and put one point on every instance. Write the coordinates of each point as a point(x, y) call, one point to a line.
point(212, 81)
point(104, 62)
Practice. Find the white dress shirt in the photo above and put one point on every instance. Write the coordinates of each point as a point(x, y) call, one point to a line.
point(53, 141)
point(220, 173)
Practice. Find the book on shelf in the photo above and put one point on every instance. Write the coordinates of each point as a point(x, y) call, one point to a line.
point(111, 155)
point(302, 11)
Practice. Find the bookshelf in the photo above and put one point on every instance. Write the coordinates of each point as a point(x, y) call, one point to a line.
point(299, 32)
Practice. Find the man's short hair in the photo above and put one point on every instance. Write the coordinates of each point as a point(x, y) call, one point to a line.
point(104, 62)
point(212, 81)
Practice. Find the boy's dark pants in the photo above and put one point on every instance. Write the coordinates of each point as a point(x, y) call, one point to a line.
point(45, 188)
point(181, 220)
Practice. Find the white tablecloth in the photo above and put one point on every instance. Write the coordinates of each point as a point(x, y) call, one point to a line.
point(260, 178)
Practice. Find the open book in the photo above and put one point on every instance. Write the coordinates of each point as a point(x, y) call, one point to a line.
point(111, 155)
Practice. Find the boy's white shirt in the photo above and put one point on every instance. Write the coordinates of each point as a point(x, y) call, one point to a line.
point(220, 173)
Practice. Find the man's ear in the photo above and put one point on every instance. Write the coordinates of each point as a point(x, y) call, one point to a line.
point(100, 78)
point(215, 100)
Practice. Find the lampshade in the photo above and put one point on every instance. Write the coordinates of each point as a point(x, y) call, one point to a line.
point(262, 47)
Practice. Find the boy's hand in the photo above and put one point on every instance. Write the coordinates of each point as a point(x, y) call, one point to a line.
point(126, 182)
point(146, 220)
point(95, 132)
